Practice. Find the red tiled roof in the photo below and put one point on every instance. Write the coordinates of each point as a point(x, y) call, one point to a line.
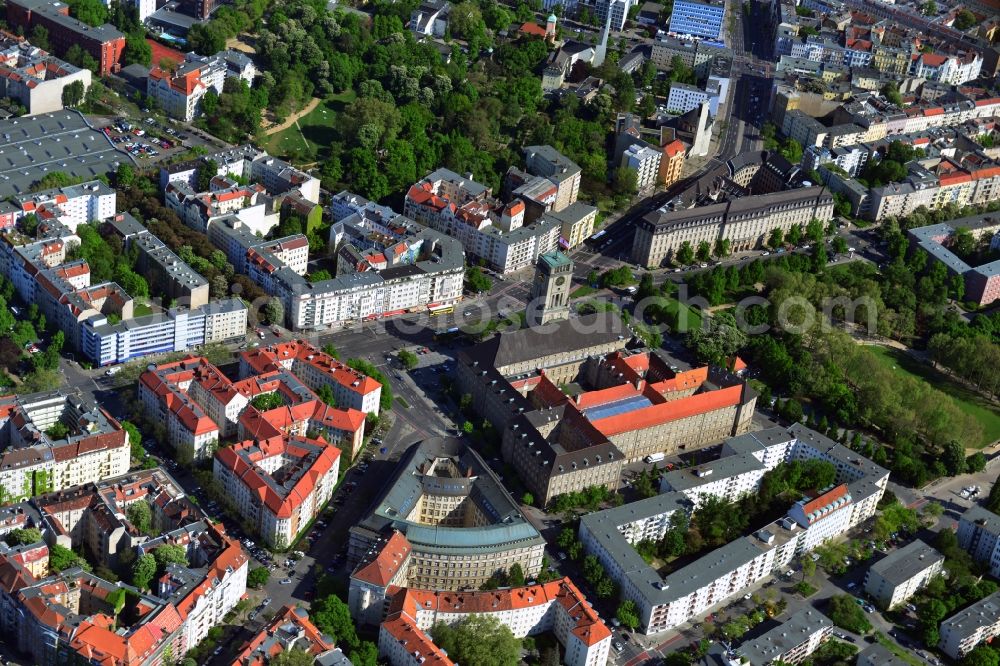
point(532, 28)
point(674, 148)
point(406, 632)
point(825, 500)
point(585, 623)
point(381, 568)
point(312, 640)
point(241, 461)
point(674, 410)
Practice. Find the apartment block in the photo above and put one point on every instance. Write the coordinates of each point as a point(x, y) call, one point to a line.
point(565, 173)
point(248, 163)
point(684, 97)
point(94, 517)
point(93, 446)
point(70, 206)
point(179, 92)
point(729, 478)
point(895, 578)
point(704, 20)
point(164, 270)
point(70, 616)
point(278, 485)
point(176, 330)
point(199, 405)
point(199, 210)
point(494, 231)
point(290, 629)
point(558, 606)
point(699, 55)
point(104, 43)
point(851, 160)
point(823, 517)
point(790, 642)
point(689, 592)
point(98, 320)
point(982, 283)
point(966, 629)
point(645, 161)
point(387, 265)
point(351, 389)
point(35, 78)
point(576, 223)
point(979, 535)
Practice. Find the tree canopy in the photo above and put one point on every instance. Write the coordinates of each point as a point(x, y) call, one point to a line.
point(478, 639)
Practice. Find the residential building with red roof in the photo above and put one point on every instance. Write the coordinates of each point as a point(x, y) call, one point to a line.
point(290, 629)
point(179, 92)
point(496, 231)
point(35, 78)
point(283, 471)
point(824, 516)
point(226, 197)
point(165, 394)
point(557, 606)
point(33, 462)
point(71, 616)
point(316, 368)
point(94, 516)
point(280, 484)
point(72, 205)
point(384, 566)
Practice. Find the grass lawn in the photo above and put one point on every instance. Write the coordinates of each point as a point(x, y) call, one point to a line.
point(685, 323)
point(580, 292)
point(141, 309)
point(968, 401)
point(318, 130)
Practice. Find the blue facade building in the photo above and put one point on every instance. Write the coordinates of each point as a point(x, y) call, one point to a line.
point(698, 19)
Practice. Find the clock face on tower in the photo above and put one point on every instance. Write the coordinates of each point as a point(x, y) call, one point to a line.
point(560, 280)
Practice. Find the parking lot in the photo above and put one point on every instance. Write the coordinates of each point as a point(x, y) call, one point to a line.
point(147, 141)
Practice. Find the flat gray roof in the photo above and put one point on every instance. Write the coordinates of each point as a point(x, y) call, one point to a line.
point(61, 141)
point(721, 468)
point(980, 614)
point(791, 633)
point(984, 518)
point(905, 563)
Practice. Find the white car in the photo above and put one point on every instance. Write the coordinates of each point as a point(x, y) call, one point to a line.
point(286, 581)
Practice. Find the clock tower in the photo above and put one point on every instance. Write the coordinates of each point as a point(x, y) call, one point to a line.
point(550, 289)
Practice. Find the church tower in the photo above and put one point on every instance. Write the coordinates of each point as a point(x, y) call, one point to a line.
point(550, 289)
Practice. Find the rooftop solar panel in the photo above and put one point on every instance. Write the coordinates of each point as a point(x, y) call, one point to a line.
point(629, 404)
